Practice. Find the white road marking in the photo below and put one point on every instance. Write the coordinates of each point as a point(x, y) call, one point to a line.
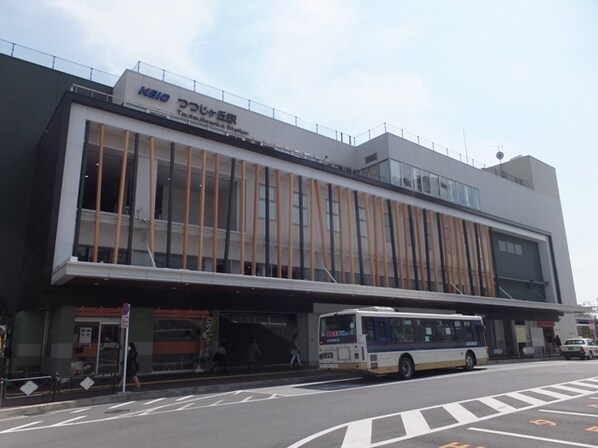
point(526, 399)
point(461, 414)
point(76, 411)
point(415, 424)
point(216, 403)
point(497, 405)
point(121, 405)
point(541, 439)
point(578, 414)
point(185, 406)
point(184, 398)
point(154, 401)
point(569, 388)
point(358, 435)
point(550, 393)
point(67, 422)
point(20, 428)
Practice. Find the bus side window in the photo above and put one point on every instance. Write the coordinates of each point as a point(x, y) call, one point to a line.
point(481, 336)
point(420, 332)
point(368, 328)
point(395, 330)
point(382, 330)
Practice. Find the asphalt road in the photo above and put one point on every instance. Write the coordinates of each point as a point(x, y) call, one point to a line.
point(538, 404)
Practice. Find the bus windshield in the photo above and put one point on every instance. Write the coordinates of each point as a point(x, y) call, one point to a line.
point(338, 329)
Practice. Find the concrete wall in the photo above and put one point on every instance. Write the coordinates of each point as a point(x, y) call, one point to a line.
point(61, 342)
point(30, 94)
point(27, 343)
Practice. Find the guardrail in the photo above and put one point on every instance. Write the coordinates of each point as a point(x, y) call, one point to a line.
point(46, 388)
point(29, 387)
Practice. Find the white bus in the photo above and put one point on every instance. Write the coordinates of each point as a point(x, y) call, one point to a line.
point(380, 340)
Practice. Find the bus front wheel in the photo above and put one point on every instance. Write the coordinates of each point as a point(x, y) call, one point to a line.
point(406, 368)
point(469, 361)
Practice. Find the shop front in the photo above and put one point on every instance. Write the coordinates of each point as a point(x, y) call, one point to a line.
point(97, 340)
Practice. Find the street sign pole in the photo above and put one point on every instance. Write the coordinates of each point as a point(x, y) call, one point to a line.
point(124, 323)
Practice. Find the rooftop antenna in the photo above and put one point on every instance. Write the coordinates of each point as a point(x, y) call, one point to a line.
point(499, 156)
point(465, 145)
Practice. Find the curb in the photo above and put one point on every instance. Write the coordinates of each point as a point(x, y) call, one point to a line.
point(120, 397)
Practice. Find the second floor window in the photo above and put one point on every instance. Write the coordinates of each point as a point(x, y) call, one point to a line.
point(271, 202)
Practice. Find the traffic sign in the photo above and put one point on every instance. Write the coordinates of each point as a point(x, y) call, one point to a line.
point(126, 308)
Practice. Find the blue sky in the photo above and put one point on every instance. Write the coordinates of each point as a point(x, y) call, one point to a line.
point(521, 74)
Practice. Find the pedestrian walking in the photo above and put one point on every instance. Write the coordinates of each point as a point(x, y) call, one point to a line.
point(295, 350)
point(253, 350)
point(557, 343)
point(219, 358)
point(132, 367)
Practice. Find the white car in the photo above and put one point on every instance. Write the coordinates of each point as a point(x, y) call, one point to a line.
point(579, 348)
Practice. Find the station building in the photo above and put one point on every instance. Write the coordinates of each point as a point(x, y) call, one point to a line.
point(213, 216)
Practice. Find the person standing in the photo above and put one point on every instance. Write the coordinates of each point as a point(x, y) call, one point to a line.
point(132, 367)
point(295, 350)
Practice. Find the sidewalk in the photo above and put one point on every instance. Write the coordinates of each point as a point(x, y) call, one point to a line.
point(170, 385)
point(180, 384)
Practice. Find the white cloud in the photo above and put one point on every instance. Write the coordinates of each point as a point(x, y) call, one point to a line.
point(122, 33)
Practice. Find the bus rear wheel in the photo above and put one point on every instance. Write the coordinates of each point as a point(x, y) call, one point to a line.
point(406, 368)
point(469, 361)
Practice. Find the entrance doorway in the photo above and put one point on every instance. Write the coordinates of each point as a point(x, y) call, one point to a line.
point(96, 346)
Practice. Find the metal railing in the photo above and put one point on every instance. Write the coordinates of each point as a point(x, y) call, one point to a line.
point(239, 101)
point(106, 97)
point(56, 63)
point(46, 388)
point(429, 144)
point(27, 387)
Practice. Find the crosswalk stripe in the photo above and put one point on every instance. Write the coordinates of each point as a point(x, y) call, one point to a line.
point(497, 405)
point(526, 399)
point(585, 384)
point(550, 393)
point(415, 424)
point(460, 414)
point(570, 389)
point(358, 434)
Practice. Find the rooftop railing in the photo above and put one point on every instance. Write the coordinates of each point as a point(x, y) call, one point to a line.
point(102, 77)
point(57, 63)
point(106, 97)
